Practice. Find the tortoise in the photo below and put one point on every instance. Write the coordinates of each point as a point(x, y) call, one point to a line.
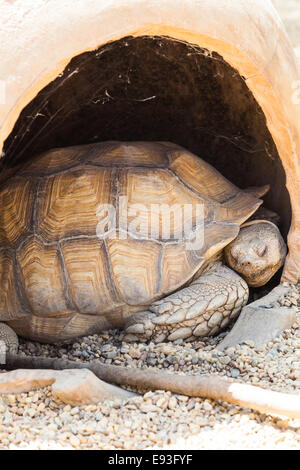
point(67, 269)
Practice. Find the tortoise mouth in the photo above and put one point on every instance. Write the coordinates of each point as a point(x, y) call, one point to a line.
point(156, 89)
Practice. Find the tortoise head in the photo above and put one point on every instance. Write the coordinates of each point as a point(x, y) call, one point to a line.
point(257, 253)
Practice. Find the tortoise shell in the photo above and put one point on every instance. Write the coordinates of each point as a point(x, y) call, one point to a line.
point(60, 278)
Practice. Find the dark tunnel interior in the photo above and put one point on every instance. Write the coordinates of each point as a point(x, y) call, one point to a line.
point(156, 88)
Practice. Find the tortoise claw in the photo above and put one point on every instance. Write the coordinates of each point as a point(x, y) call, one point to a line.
point(139, 327)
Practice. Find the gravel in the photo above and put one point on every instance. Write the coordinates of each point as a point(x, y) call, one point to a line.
point(35, 420)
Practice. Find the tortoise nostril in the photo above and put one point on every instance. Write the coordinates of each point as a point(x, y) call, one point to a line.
point(246, 263)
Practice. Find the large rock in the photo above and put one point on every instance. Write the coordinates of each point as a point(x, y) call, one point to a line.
point(72, 386)
point(263, 320)
point(81, 386)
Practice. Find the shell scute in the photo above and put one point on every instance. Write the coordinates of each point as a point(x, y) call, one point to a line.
point(69, 202)
point(42, 278)
point(89, 285)
point(128, 154)
point(135, 269)
point(11, 306)
point(17, 205)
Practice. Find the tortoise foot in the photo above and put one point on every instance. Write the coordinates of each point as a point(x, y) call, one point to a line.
point(202, 309)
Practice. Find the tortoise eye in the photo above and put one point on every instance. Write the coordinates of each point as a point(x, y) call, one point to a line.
point(261, 249)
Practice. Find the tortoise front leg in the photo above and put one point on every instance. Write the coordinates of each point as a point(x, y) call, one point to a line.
point(202, 309)
point(9, 337)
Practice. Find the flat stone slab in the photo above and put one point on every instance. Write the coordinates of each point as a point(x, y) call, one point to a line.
point(263, 320)
point(72, 386)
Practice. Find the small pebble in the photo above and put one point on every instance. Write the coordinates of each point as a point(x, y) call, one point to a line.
point(235, 373)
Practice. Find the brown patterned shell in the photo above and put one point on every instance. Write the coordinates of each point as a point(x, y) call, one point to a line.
point(59, 279)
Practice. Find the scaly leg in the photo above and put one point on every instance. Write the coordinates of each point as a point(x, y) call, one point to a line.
point(202, 309)
point(9, 337)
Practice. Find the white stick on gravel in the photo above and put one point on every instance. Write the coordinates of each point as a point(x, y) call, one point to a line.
point(206, 386)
